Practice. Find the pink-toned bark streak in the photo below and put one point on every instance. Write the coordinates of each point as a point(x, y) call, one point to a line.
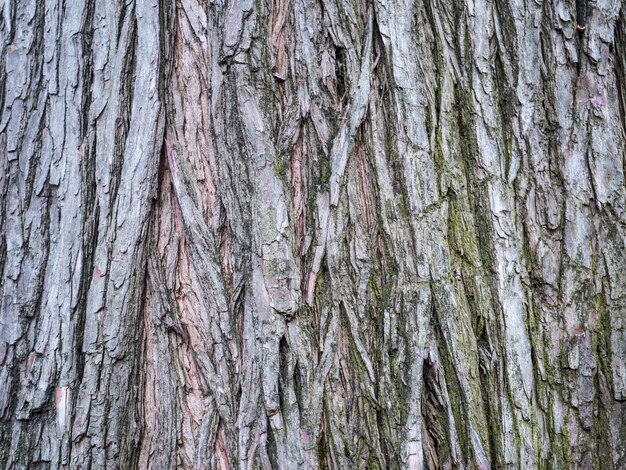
point(311, 288)
point(220, 448)
point(298, 197)
point(181, 283)
point(365, 189)
point(298, 192)
point(279, 15)
point(62, 399)
point(31, 361)
point(170, 154)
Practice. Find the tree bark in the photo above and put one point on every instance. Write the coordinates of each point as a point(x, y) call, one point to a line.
point(313, 234)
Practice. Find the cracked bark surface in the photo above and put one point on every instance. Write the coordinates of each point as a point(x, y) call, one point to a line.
point(312, 234)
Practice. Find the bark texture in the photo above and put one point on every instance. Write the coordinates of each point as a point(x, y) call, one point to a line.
point(312, 234)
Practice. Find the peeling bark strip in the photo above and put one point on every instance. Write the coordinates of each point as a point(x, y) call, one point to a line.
point(293, 234)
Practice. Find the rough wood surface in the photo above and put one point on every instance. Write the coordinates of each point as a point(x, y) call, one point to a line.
point(312, 234)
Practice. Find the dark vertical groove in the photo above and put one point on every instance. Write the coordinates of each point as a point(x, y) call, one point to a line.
point(122, 123)
point(619, 50)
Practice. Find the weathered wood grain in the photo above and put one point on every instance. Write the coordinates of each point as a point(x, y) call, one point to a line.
point(313, 234)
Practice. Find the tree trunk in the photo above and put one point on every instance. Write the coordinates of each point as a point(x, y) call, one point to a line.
point(312, 234)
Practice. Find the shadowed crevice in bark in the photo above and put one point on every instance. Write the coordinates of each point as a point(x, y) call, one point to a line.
point(619, 48)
